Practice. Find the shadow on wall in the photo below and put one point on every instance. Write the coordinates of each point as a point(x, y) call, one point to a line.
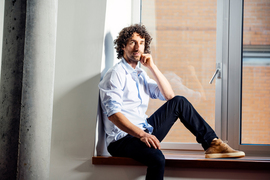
point(73, 129)
point(101, 148)
point(100, 172)
point(109, 53)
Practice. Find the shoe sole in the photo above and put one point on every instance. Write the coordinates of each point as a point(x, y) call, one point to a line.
point(225, 155)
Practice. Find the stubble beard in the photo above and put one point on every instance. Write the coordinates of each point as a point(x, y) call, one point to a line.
point(133, 59)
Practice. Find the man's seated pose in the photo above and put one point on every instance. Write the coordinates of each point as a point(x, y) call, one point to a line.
point(125, 91)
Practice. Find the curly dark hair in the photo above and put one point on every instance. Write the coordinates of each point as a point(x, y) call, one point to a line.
point(126, 33)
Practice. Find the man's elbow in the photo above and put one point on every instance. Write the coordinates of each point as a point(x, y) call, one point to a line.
point(170, 96)
point(114, 116)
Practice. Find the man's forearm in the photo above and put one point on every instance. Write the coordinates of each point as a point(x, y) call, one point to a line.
point(125, 125)
point(163, 83)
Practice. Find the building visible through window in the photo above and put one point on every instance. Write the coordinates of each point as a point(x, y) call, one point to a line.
point(256, 73)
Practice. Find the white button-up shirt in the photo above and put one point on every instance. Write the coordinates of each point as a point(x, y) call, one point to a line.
point(126, 90)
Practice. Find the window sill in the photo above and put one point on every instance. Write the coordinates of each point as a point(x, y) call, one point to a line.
point(193, 159)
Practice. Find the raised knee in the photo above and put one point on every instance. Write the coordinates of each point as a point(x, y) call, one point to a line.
point(180, 99)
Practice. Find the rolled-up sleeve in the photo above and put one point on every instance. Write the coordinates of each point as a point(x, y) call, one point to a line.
point(111, 93)
point(152, 88)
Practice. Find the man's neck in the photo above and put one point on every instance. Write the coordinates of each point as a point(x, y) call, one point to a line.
point(133, 64)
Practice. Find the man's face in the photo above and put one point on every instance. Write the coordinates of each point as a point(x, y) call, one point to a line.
point(134, 48)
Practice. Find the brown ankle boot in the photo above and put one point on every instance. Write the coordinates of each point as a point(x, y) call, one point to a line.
point(219, 149)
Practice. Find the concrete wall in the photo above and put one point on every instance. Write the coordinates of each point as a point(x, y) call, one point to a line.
point(2, 3)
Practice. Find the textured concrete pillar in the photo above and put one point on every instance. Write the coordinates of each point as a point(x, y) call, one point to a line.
point(11, 86)
point(37, 89)
point(35, 100)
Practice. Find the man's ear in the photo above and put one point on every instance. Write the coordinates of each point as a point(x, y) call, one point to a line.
point(123, 46)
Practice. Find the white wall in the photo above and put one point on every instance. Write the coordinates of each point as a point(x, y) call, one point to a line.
point(83, 49)
point(78, 56)
point(80, 49)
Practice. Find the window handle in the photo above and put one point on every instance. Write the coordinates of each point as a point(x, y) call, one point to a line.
point(216, 74)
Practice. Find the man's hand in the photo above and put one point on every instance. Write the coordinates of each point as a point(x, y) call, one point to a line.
point(147, 60)
point(150, 140)
point(124, 124)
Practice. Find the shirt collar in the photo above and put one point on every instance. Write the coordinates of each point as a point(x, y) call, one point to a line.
point(129, 69)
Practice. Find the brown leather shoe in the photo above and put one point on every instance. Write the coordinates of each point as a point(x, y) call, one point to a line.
point(219, 149)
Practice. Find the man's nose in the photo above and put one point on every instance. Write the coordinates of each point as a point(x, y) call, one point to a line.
point(137, 45)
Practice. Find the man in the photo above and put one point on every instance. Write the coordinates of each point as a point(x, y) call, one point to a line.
point(125, 91)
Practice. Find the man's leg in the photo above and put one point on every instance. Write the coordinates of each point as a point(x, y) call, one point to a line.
point(132, 147)
point(163, 119)
point(179, 107)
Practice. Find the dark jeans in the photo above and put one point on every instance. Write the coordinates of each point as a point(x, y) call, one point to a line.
point(162, 121)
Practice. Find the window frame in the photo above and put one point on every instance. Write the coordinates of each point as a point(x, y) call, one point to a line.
point(235, 82)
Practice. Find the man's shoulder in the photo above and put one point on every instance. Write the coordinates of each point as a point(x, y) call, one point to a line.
point(115, 73)
point(117, 68)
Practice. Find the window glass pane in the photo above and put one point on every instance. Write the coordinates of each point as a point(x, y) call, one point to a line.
point(256, 73)
point(184, 49)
